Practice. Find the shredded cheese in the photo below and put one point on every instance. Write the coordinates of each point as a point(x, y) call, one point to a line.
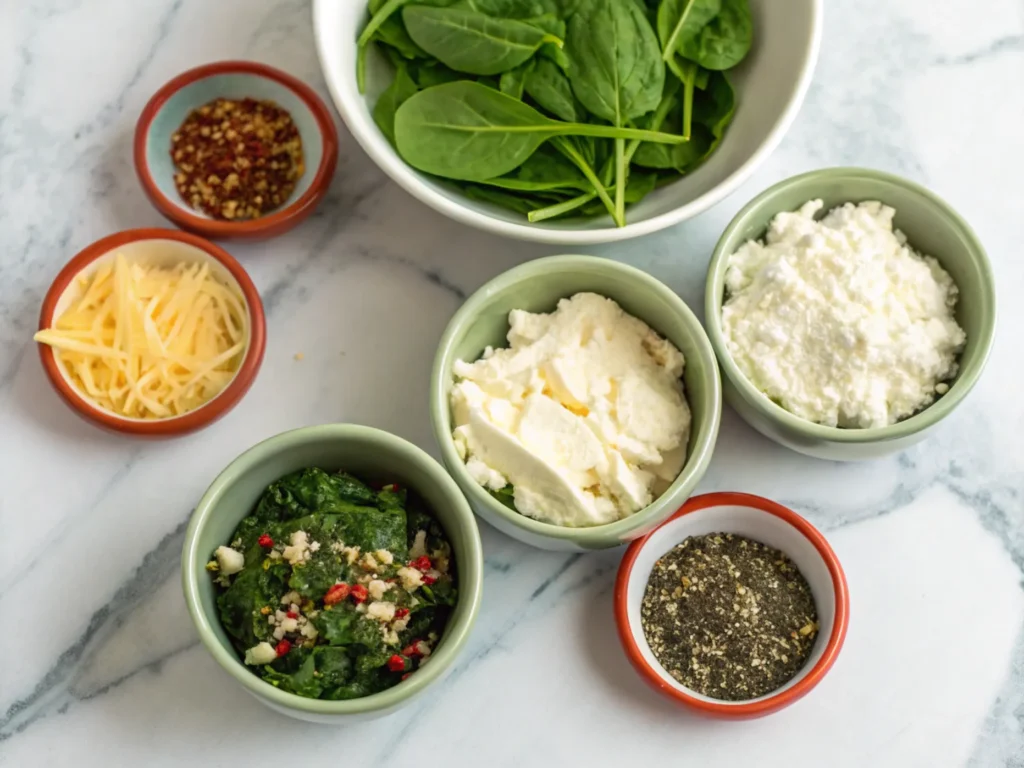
point(151, 342)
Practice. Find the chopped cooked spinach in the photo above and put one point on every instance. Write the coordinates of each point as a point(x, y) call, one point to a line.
point(344, 588)
point(487, 92)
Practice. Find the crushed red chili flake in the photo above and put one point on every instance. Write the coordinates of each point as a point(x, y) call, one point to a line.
point(283, 647)
point(421, 563)
point(428, 580)
point(359, 593)
point(265, 540)
point(401, 613)
point(292, 615)
point(396, 663)
point(411, 650)
point(406, 675)
point(237, 159)
point(336, 593)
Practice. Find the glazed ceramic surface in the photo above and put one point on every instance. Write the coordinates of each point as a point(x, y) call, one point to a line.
point(369, 454)
point(108, 669)
point(770, 84)
point(932, 227)
point(176, 99)
point(537, 287)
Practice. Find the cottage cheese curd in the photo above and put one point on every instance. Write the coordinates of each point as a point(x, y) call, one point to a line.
point(839, 320)
point(583, 413)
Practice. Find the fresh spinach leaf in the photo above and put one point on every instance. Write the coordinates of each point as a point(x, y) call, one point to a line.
point(401, 88)
point(547, 85)
point(724, 41)
point(473, 42)
point(615, 70)
point(513, 82)
point(545, 169)
point(466, 131)
point(506, 496)
point(680, 21)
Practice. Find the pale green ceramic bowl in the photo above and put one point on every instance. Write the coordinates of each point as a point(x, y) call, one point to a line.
point(367, 453)
point(932, 227)
point(537, 286)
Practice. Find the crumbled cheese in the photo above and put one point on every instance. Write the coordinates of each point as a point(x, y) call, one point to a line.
point(839, 320)
point(279, 633)
point(298, 552)
point(381, 611)
point(361, 608)
point(351, 554)
point(401, 624)
point(369, 562)
point(411, 578)
point(377, 588)
point(419, 545)
point(289, 625)
point(422, 648)
point(583, 414)
point(308, 630)
point(383, 556)
point(230, 561)
point(314, 546)
point(390, 636)
point(291, 597)
point(263, 653)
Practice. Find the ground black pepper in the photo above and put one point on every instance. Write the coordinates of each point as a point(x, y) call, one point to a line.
point(729, 617)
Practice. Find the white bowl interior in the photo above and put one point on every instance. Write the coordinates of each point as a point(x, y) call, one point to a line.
point(770, 86)
point(754, 524)
point(150, 252)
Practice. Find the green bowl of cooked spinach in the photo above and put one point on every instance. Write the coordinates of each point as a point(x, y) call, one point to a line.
point(334, 571)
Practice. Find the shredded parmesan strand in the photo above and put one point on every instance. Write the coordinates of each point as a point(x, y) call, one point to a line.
point(151, 342)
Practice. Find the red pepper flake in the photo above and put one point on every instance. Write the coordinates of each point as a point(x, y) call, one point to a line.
point(292, 615)
point(401, 613)
point(406, 675)
point(265, 540)
point(396, 663)
point(421, 563)
point(359, 593)
point(428, 580)
point(336, 593)
point(412, 650)
point(283, 647)
point(237, 158)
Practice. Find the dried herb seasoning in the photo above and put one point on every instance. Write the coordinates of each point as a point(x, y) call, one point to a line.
point(237, 159)
point(728, 617)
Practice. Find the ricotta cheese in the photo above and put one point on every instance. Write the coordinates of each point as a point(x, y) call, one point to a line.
point(584, 413)
point(838, 320)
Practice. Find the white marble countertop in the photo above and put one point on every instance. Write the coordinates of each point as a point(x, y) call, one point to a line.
point(99, 663)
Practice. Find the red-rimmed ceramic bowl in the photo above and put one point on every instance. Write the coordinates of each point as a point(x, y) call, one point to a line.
point(169, 107)
point(154, 246)
point(759, 519)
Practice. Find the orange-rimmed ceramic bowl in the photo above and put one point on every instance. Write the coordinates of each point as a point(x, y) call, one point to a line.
point(154, 246)
point(169, 107)
point(759, 519)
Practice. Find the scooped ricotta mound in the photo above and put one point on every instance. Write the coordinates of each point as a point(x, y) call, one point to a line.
point(839, 320)
point(583, 415)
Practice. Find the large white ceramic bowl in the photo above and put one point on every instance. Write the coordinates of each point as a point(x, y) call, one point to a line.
point(770, 85)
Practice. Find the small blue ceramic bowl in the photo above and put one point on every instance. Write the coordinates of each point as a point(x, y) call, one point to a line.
point(169, 107)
